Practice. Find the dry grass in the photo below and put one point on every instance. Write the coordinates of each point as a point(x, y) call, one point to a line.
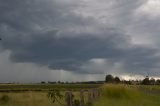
point(32, 99)
point(26, 99)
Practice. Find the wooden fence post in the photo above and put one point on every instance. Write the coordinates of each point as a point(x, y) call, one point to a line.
point(68, 98)
point(94, 94)
point(99, 92)
point(89, 96)
point(81, 98)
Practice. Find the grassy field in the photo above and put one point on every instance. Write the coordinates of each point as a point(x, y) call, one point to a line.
point(36, 94)
point(45, 87)
point(26, 99)
point(122, 95)
point(111, 95)
point(31, 99)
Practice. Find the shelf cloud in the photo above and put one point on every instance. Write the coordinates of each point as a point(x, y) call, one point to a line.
point(83, 37)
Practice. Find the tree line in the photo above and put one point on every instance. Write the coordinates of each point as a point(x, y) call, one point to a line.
point(146, 81)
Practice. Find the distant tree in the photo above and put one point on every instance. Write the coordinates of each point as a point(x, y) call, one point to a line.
point(66, 82)
point(50, 82)
point(117, 80)
point(158, 81)
point(152, 81)
point(146, 81)
point(43, 82)
point(109, 78)
point(59, 82)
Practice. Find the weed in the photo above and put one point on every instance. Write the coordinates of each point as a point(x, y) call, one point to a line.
point(4, 99)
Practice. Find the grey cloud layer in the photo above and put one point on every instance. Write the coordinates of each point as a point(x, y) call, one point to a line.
point(55, 34)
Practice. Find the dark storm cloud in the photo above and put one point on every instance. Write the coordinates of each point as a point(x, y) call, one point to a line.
point(63, 52)
point(51, 33)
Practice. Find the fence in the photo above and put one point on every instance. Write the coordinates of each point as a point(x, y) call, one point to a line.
point(92, 95)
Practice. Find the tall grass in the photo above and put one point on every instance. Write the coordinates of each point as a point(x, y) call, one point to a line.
point(32, 99)
point(122, 95)
point(26, 99)
point(119, 92)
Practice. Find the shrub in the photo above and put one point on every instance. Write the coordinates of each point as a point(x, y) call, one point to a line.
point(4, 98)
point(76, 102)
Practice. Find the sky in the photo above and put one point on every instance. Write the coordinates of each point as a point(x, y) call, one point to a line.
point(78, 40)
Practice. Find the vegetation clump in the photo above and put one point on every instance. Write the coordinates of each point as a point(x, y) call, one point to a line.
point(110, 79)
point(4, 99)
point(119, 92)
point(55, 96)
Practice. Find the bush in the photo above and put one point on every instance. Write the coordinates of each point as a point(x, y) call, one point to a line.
point(76, 102)
point(4, 98)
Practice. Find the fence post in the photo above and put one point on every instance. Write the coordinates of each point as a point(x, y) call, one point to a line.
point(98, 93)
point(68, 98)
point(94, 94)
point(81, 98)
point(89, 96)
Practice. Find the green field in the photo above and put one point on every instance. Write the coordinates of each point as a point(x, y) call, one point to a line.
point(133, 95)
point(45, 87)
point(111, 95)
